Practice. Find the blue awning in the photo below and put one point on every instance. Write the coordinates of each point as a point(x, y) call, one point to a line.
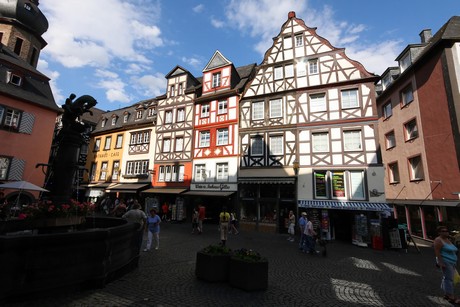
point(344, 205)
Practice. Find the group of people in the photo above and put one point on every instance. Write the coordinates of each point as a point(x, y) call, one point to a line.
point(307, 243)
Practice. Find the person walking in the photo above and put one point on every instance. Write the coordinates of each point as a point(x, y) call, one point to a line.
point(153, 227)
point(291, 227)
point(136, 215)
point(233, 222)
point(224, 218)
point(303, 236)
point(201, 217)
point(446, 259)
point(195, 220)
point(310, 233)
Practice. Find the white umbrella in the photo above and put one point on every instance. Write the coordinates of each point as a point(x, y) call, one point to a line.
point(22, 186)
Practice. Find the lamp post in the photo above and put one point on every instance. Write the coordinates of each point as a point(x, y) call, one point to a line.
point(295, 167)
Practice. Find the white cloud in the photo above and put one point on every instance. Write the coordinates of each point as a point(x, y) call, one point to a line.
point(217, 23)
point(43, 67)
point(195, 62)
point(150, 85)
point(199, 8)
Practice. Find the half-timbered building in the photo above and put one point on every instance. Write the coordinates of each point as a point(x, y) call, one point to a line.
point(308, 137)
point(215, 135)
point(173, 150)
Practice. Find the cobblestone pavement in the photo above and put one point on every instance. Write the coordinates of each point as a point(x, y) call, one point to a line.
point(348, 276)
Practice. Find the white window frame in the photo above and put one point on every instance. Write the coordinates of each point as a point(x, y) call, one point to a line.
point(205, 110)
point(352, 140)
point(276, 108)
point(222, 171)
point(222, 107)
point(5, 163)
point(97, 144)
point(349, 98)
point(320, 141)
point(216, 79)
point(289, 71)
point(222, 136)
point(411, 130)
point(119, 142)
point(172, 90)
point(180, 114)
point(179, 144)
point(139, 114)
point(181, 173)
point(357, 185)
point(168, 173)
point(318, 102)
point(161, 173)
point(108, 142)
point(276, 145)
point(301, 68)
point(299, 40)
point(205, 138)
point(278, 72)
point(166, 145)
point(200, 172)
point(114, 120)
point(313, 67)
point(104, 169)
point(257, 110)
point(168, 117)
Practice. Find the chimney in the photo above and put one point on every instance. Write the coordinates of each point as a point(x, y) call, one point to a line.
point(425, 36)
point(291, 15)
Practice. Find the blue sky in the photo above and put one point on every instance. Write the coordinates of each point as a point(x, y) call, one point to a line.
point(119, 51)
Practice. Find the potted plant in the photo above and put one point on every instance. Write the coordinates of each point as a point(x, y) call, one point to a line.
point(212, 263)
point(248, 270)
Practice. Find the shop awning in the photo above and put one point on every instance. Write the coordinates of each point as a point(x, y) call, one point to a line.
point(428, 202)
point(101, 185)
point(209, 193)
point(344, 205)
point(126, 187)
point(267, 180)
point(164, 191)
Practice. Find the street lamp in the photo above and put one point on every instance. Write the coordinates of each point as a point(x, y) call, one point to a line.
point(295, 167)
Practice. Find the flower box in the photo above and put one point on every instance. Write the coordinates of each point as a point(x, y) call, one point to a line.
point(247, 275)
point(213, 263)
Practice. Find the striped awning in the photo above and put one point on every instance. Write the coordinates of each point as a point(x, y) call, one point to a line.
point(344, 205)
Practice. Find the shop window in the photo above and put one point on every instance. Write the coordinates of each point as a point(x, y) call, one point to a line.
point(320, 184)
point(268, 190)
point(415, 221)
point(357, 186)
point(338, 184)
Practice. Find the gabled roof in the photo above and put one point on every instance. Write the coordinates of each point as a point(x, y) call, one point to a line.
point(217, 60)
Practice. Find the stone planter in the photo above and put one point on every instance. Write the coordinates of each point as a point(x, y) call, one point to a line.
point(212, 268)
point(248, 276)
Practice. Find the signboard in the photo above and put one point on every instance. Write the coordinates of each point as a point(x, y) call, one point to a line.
point(215, 187)
point(395, 239)
point(338, 184)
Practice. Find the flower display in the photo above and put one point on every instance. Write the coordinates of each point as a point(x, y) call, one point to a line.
point(46, 209)
point(248, 255)
point(216, 250)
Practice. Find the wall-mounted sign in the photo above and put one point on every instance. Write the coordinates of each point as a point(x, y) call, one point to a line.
point(214, 186)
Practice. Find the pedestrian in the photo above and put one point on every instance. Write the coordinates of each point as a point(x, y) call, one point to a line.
point(291, 226)
point(224, 219)
point(201, 217)
point(136, 215)
point(310, 246)
point(119, 209)
point(303, 236)
point(165, 211)
point(233, 222)
point(195, 220)
point(153, 228)
point(446, 259)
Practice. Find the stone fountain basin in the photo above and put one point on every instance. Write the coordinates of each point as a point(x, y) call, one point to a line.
point(100, 251)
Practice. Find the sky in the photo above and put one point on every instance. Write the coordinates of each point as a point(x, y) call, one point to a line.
point(119, 51)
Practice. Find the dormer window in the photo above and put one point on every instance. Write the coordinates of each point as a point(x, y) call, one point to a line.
point(125, 117)
point(139, 114)
point(172, 90)
point(103, 122)
point(151, 112)
point(180, 91)
point(14, 79)
point(405, 62)
point(386, 81)
point(114, 120)
point(216, 80)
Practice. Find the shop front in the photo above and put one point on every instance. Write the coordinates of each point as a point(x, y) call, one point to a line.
point(168, 202)
point(356, 222)
point(264, 203)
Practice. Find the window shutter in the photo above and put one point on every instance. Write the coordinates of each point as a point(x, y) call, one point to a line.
point(16, 169)
point(27, 123)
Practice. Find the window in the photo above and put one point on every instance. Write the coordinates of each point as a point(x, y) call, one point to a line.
point(320, 142)
point(104, 167)
point(108, 141)
point(393, 172)
point(318, 102)
point(352, 140)
point(320, 182)
point(139, 114)
point(115, 170)
point(119, 142)
point(205, 110)
point(407, 96)
point(387, 110)
point(205, 138)
point(4, 167)
point(222, 171)
point(137, 167)
point(276, 108)
point(180, 115)
point(289, 71)
point(350, 99)
point(405, 62)
point(161, 173)
point(168, 117)
point(125, 118)
point(146, 135)
point(278, 72)
point(33, 57)
point(298, 40)
point(92, 172)
point(166, 145)
point(172, 90)
point(222, 136)
point(313, 67)
point(416, 168)
point(301, 68)
point(179, 144)
point(114, 120)
point(140, 137)
point(200, 172)
point(168, 173)
point(222, 107)
point(216, 80)
point(411, 130)
point(181, 89)
point(18, 46)
point(258, 110)
point(357, 188)
point(151, 112)
point(338, 184)
point(287, 42)
point(181, 173)
point(104, 120)
point(15, 79)
point(276, 145)
point(97, 145)
point(257, 148)
point(9, 118)
point(386, 81)
point(390, 140)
